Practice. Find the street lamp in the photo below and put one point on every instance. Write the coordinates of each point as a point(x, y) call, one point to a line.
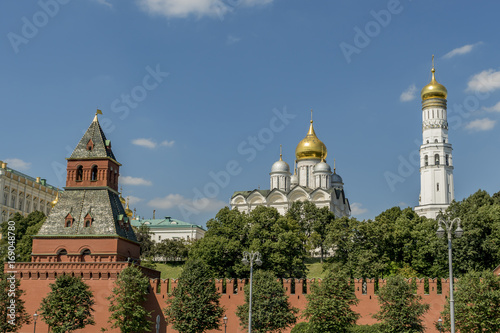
point(34, 323)
point(440, 233)
point(225, 323)
point(250, 258)
point(440, 324)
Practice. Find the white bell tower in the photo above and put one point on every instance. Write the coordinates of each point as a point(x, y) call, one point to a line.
point(436, 163)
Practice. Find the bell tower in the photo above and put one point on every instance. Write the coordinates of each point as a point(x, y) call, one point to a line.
point(436, 164)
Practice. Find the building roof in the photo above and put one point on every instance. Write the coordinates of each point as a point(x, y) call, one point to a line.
point(102, 146)
point(102, 204)
point(167, 222)
point(339, 193)
point(42, 182)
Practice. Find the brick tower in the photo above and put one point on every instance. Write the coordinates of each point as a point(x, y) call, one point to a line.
point(87, 233)
point(88, 221)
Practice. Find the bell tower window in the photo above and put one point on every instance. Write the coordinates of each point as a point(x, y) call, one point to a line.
point(90, 145)
point(426, 159)
point(436, 159)
point(93, 174)
point(79, 173)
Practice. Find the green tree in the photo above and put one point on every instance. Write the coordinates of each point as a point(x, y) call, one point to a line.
point(12, 315)
point(400, 310)
point(171, 250)
point(477, 303)
point(68, 306)
point(302, 327)
point(329, 305)
point(24, 229)
point(194, 305)
point(143, 234)
point(127, 302)
point(271, 311)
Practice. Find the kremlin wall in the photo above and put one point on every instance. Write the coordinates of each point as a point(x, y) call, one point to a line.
point(35, 279)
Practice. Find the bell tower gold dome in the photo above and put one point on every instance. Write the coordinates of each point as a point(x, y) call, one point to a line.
point(310, 147)
point(433, 89)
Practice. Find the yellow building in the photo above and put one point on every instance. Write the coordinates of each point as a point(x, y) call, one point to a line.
point(23, 194)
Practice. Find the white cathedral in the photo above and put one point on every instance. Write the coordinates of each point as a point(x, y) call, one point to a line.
point(312, 180)
point(436, 164)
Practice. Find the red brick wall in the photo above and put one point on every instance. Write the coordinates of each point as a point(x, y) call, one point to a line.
point(103, 173)
point(37, 288)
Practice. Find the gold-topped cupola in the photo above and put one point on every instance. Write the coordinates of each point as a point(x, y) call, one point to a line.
point(434, 89)
point(310, 147)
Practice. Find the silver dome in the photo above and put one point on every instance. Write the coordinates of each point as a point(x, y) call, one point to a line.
point(280, 166)
point(336, 179)
point(322, 166)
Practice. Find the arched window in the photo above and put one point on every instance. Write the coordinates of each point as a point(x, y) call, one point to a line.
point(79, 173)
point(447, 160)
point(435, 140)
point(93, 174)
point(436, 159)
point(85, 252)
point(88, 223)
point(426, 158)
point(62, 252)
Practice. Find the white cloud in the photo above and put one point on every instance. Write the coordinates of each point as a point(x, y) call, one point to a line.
point(494, 108)
point(409, 94)
point(186, 204)
point(134, 200)
point(198, 8)
point(127, 180)
point(167, 143)
point(148, 143)
point(17, 164)
point(232, 39)
point(488, 80)
point(151, 144)
point(104, 2)
point(461, 50)
point(357, 208)
point(485, 124)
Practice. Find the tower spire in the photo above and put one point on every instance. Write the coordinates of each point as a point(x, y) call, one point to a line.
point(311, 116)
point(281, 153)
point(334, 167)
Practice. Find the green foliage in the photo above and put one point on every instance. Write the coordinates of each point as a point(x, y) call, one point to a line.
point(271, 311)
point(143, 234)
point(400, 309)
point(127, 302)
point(375, 328)
point(278, 239)
point(68, 306)
point(25, 228)
point(477, 303)
point(194, 307)
point(329, 305)
point(9, 290)
point(171, 250)
point(302, 327)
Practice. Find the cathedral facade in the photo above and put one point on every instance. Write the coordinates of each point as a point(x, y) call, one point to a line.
point(312, 180)
point(436, 163)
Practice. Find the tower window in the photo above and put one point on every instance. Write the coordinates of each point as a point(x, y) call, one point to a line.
point(436, 159)
point(447, 160)
point(426, 159)
point(435, 140)
point(437, 187)
point(93, 174)
point(79, 173)
point(427, 141)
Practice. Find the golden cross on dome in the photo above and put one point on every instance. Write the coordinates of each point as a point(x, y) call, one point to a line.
point(433, 61)
point(311, 115)
point(281, 153)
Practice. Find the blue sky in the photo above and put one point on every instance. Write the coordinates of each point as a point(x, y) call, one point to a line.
point(198, 95)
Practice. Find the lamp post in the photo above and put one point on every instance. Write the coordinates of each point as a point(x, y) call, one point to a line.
point(440, 324)
point(250, 258)
point(449, 224)
point(34, 322)
point(225, 323)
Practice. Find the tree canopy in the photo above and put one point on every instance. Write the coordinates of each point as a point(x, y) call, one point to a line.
point(194, 305)
point(68, 306)
point(127, 302)
point(12, 315)
point(271, 311)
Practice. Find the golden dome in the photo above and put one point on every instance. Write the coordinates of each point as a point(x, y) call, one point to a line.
point(53, 203)
point(434, 89)
point(128, 211)
point(122, 199)
point(310, 146)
